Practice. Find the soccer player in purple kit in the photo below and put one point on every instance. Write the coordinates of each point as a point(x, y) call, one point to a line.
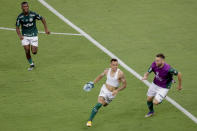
point(161, 83)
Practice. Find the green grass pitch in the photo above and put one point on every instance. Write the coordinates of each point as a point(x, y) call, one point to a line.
point(50, 98)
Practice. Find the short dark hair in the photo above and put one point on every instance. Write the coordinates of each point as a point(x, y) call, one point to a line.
point(113, 59)
point(161, 55)
point(24, 2)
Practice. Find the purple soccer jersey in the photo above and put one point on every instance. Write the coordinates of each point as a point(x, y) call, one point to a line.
point(163, 76)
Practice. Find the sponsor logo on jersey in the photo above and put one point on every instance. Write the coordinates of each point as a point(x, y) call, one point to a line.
point(32, 15)
point(157, 76)
point(28, 24)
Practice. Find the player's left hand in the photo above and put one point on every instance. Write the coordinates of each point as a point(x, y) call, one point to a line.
point(115, 92)
point(179, 88)
point(47, 31)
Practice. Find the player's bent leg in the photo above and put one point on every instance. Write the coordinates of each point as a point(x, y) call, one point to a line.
point(102, 101)
point(150, 95)
point(28, 56)
point(156, 102)
point(161, 94)
point(95, 110)
point(27, 51)
point(34, 45)
point(150, 98)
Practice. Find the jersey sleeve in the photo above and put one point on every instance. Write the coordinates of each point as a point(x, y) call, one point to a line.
point(150, 69)
point(18, 22)
point(38, 17)
point(173, 71)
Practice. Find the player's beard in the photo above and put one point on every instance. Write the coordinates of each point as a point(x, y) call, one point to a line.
point(160, 65)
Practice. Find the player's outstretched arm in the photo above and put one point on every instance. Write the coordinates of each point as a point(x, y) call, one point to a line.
point(19, 33)
point(45, 26)
point(90, 84)
point(99, 77)
point(180, 81)
point(150, 69)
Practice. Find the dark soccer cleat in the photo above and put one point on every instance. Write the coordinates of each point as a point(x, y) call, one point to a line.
point(149, 114)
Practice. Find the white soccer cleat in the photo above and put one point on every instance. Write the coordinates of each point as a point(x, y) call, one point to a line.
point(31, 67)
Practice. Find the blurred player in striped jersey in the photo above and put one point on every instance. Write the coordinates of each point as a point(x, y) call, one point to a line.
point(162, 82)
point(29, 39)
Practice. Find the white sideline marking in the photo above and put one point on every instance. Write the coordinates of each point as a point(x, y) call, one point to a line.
point(42, 32)
point(192, 117)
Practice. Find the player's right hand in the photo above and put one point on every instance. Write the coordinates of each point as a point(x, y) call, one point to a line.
point(144, 78)
point(47, 31)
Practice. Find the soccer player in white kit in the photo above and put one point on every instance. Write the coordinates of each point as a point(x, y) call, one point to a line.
point(110, 89)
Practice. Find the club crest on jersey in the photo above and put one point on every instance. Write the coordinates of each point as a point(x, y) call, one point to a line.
point(30, 19)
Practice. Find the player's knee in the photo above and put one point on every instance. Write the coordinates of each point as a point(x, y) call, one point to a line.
point(102, 102)
point(149, 98)
point(155, 102)
point(34, 52)
point(105, 104)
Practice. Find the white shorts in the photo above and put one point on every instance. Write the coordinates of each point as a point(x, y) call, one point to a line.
point(106, 94)
point(158, 92)
point(30, 41)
